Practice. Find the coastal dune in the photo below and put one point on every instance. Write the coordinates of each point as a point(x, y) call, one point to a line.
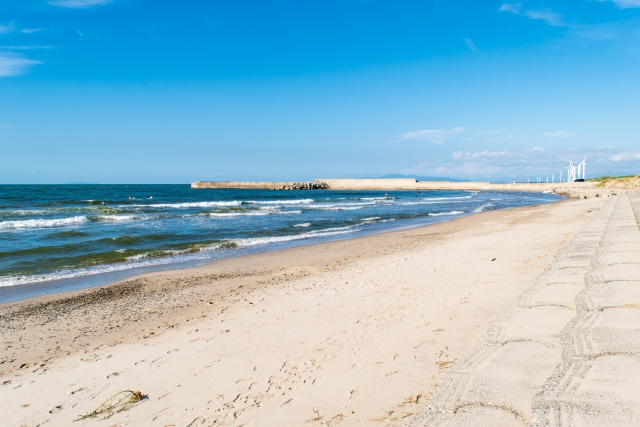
point(357, 331)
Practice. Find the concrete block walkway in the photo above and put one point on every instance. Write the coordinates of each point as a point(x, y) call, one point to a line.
point(568, 354)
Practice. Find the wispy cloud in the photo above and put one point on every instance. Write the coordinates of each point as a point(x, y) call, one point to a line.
point(625, 4)
point(547, 15)
point(14, 65)
point(30, 30)
point(437, 136)
point(471, 45)
point(26, 47)
point(486, 153)
point(492, 132)
point(624, 157)
point(520, 164)
point(559, 134)
point(79, 4)
point(4, 29)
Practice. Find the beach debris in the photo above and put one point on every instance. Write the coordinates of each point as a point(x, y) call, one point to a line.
point(57, 409)
point(493, 259)
point(118, 402)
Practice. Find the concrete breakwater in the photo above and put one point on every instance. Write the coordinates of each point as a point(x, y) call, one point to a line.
point(404, 184)
point(348, 184)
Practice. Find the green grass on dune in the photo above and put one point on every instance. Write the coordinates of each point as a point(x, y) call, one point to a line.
point(608, 178)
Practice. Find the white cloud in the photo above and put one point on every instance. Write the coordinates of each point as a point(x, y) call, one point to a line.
point(486, 153)
point(521, 164)
point(14, 65)
point(513, 8)
point(559, 134)
point(604, 147)
point(437, 136)
point(26, 47)
point(540, 149)
point(79, 4)
point(30, 30)
point(471, 45)
point(625, 4)
point(623, 157)
point(4, 29)
point(546, 15)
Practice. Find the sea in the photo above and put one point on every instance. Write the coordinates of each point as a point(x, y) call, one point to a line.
point(63, 237)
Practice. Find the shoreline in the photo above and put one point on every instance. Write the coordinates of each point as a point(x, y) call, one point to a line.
point(204, 264)
point(30, 290)
point(368, 324)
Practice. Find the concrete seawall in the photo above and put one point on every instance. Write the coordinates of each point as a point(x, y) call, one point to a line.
point(398, 184)
point(248, 184)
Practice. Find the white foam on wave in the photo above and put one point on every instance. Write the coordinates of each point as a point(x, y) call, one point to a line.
point(450, 198)
point(40, 223)
point(352, 206)
point(426, 202)
point(23, 212)
point(116, 217)
point(253, 213)
point(254, 241)
point(446, 213)
point(191, 204)
point(482, 208)
point(144, 259)
point(280, 202)
point(303, 225)
point(232, 214)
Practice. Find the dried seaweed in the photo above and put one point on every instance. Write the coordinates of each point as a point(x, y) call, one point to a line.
point(118, 402)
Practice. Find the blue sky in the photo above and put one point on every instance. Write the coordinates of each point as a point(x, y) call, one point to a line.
point(140, 91)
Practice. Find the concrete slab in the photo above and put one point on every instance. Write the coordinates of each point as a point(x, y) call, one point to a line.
point(611, 294)
point(623, 237)
point(620, 258)
point(541, 324)
point(557, 294)
point(588, 252)
point(472, 416)
point(574, 262)
point(565, 275)
point(620, 247)
point(499, 376)
point(617, 272)
point(614, 330)
point(601, 392)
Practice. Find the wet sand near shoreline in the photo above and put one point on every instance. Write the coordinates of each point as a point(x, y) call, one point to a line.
point(351, 332)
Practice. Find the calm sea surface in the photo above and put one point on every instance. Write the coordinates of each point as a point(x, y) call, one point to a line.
point(52, 232)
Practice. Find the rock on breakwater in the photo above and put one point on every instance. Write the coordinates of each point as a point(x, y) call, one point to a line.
point(304, 186)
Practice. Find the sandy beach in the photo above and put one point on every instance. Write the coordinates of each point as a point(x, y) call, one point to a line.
point(354, 332)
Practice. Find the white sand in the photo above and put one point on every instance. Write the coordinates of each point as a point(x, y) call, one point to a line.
point(352, 332)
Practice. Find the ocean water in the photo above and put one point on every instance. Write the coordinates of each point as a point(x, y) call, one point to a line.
point(53, 232)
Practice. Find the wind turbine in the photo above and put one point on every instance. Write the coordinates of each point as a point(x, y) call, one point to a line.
point(583, 166)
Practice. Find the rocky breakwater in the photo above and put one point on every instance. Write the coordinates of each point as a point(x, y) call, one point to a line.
point(304, 186)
